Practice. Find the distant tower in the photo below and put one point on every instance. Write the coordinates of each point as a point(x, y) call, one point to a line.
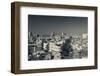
point(30, 36)
point(62, 34)
point(52, 35)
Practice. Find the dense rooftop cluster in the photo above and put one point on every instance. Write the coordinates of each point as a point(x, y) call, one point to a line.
point(57, 46)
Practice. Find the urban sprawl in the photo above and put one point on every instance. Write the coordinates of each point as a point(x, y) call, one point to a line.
point(57, 46)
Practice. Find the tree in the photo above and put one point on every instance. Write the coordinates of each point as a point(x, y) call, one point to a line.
point(66, 49)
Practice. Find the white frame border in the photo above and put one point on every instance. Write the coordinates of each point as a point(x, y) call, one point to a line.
point(25, 64)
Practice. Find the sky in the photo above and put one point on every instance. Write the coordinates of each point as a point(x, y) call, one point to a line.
point(48, 24)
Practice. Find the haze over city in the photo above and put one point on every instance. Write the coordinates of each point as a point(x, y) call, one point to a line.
point(47, 24)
